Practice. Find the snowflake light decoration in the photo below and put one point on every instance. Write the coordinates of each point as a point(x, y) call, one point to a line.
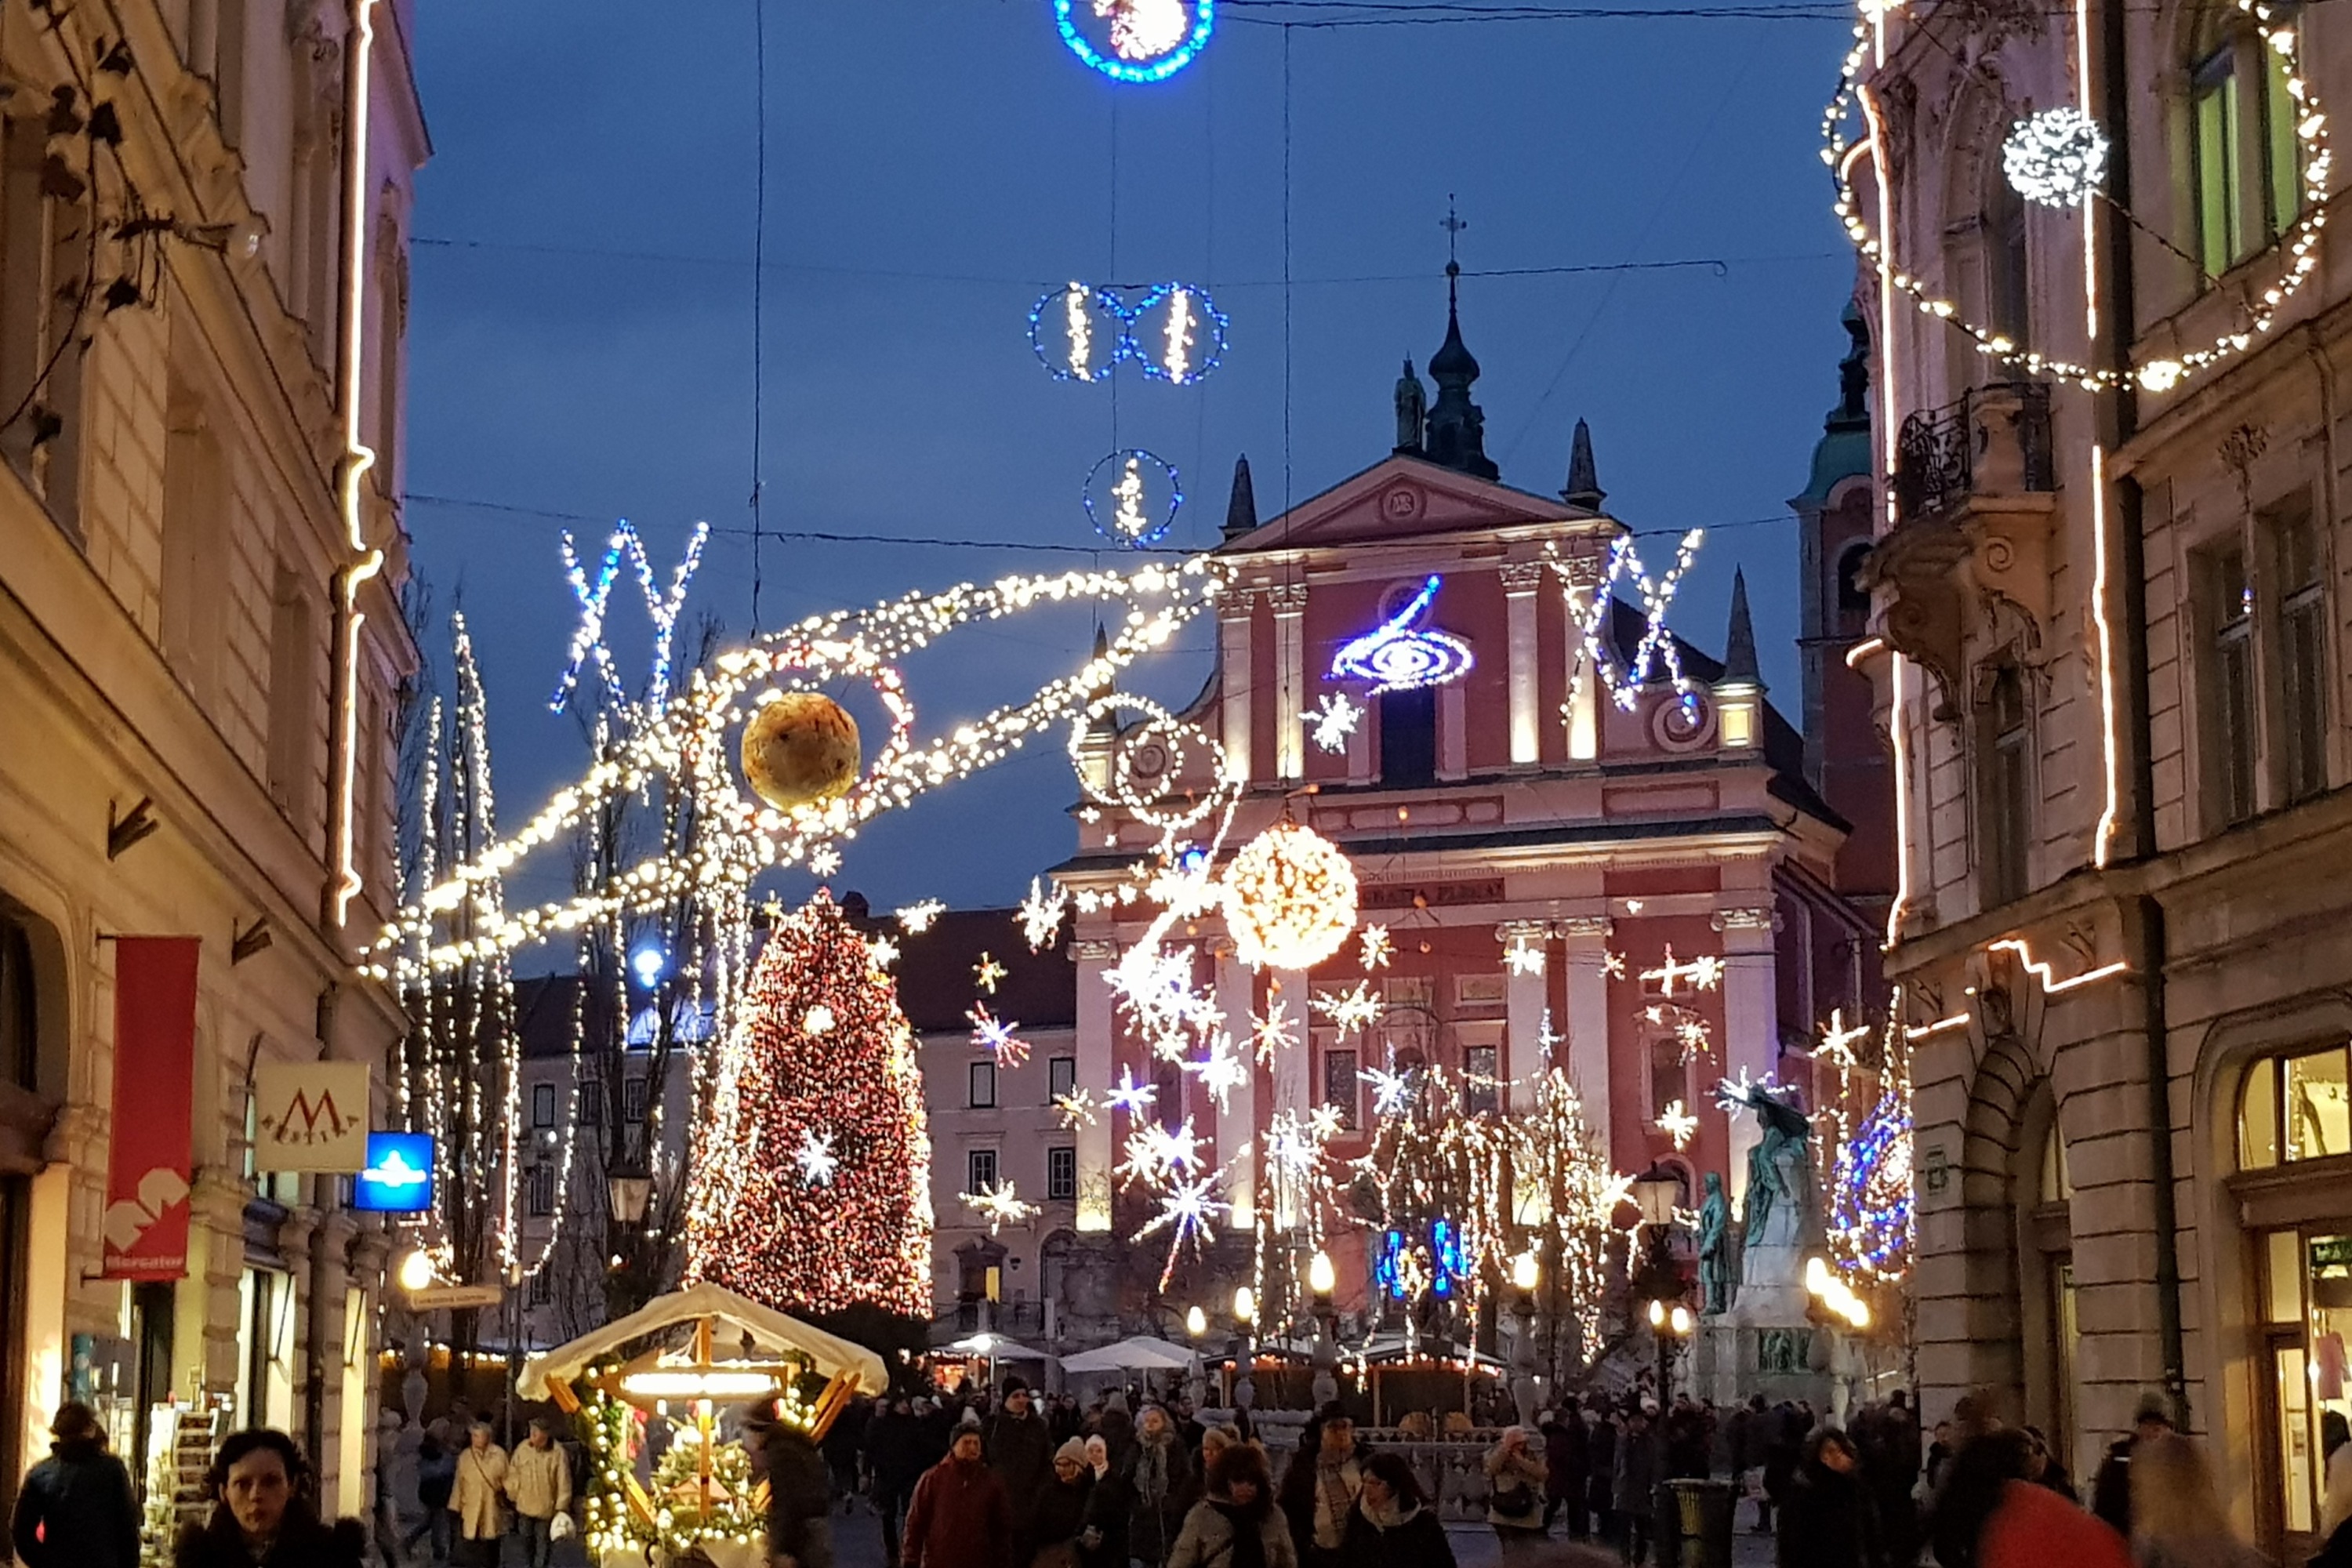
point(1130, 1095)
point(1000, 1206)
point(917, 917)
point(1078, 1108)
point(1334, 720)
point(882, 951)
point(1221, 1069)
point(1041, 914)
point(1187, 1211)
point(1349, 1011)
point(2055, 156)
point(1524, 957)
point(1703, 974)
point(1373, 948)
point(1838, 1042)
point(1677, 1123)
point(1392, 1091)
point(1155, 1155)
point(1272, 1035)
point(816, 1160)
point(987, 972)
point(995, 1036)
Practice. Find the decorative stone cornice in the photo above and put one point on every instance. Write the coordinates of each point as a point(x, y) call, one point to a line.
point(1287, 599)
point(1590, 927)
point(1513, 932)
point(1745, 919)
point(1094, 950)
point(1520, 576)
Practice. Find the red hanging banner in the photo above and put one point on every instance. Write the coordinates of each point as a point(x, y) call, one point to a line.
point(148, 1149)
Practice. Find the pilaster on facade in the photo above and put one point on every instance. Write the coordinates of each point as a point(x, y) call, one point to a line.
point(1235, 611)
point(1526, 1055)
point(1750, 1018)
point(1289, 602)
point(1520, 581)
point(1097, 1029)
point(1237, 1119)
point(1587, 977)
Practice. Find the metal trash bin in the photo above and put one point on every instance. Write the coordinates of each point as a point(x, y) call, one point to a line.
point(1694, 1530)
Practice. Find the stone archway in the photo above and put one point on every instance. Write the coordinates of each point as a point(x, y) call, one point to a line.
point(1987, 1334)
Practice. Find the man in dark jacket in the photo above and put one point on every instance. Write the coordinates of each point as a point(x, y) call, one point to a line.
point(1567, 1467)
point(76, 1509)
point(1020, 1451)
point(800, 1498)
point(897, 1451)
point(960, 1518)
point(1830, 1520)
point(2111, 1492)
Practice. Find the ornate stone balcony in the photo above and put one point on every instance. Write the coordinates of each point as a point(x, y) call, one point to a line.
point(1973, 492)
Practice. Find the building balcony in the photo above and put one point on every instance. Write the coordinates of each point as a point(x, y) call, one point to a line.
point(1967, 560)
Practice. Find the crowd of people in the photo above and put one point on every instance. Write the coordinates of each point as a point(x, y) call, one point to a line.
point(1024, 1481)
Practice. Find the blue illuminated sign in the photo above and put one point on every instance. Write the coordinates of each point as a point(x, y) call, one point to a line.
point(399, 1174)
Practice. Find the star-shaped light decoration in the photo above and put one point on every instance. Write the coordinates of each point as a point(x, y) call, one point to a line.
point(1838, 1042)
point(1704, 973)
point(1739, 1093)
point(995, 1036)
point(1334, 720)
point(988, 972)
point(818, 1020)
point(1131, 1097)
point(1154, 1154)
point(1612, 964)
point(1187, 1211)
point(1327, 1121)
point(1524, 957)
point(1000, 1206)
point(917, 917)
point(882, 951)
point(1221, 1069)
point(1677, 1123)
point(1391, 1091)
point(1078, 1108)
point(1692, 1032)
point(816, 1159)
point(1041, 914)
point(825, 861)
point(1373, 948)
point(1349, 1011)
point(1272, 1035)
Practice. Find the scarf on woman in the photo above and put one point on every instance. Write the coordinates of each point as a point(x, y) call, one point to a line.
point(1249, 1532)
point(1390, 1516)
point(1151, 1468)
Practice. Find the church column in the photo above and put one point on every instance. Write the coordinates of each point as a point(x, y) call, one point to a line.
point(1294, 1067)
point(1237, 1122)
point(1289, 602)
point(1751, 1029)
point(1588, 1018)
point(1520, 579)
point(1584, 672)
point(1234, 612)
point(1097, 1032)
point(1525, 1059)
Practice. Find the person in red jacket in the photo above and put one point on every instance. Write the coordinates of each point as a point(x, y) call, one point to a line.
point(960, 1517)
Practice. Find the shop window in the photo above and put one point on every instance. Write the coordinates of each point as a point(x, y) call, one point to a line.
point(2295, 1108)
point(2305, 1300)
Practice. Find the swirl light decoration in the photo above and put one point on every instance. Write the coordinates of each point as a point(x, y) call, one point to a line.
point(2057, 157)
point(1132, 498)
point(1145, 41)
point(1290, 898)
point(1400, 652)
point(2298, 247)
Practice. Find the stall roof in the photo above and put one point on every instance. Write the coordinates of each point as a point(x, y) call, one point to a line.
point(830, 1354)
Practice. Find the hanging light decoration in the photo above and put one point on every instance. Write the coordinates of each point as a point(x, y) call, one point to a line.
point(2056, 157)
point(1290, 898)
point(1132, 496)
point(1135, 40)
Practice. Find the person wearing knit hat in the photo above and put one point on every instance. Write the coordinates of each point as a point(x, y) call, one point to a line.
point(1061, 1509)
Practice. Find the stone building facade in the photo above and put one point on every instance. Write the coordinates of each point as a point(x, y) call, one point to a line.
point(203, 283)
point(2110, 656)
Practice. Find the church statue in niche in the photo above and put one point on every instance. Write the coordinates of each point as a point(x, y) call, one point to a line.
point(1411, 409)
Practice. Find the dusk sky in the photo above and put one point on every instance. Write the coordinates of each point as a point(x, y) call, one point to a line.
point(582, 333)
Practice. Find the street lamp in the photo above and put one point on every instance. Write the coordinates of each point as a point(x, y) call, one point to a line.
point(416, 1271)
point(1196, 1323)
point(1244, 1347)
point(1322, 1280)
point(1658, 1191)
point(627, 1190)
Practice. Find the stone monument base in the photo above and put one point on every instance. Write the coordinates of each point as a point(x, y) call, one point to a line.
point(1731, 1361)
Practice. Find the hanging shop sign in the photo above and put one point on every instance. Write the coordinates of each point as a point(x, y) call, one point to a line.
point(311, 1116)
point(398, 1176)
point(147, 1171)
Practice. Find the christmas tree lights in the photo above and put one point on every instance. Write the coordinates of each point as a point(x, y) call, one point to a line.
point(755, 1222)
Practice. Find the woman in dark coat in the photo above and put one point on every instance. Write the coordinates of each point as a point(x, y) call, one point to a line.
point(1061, 1515)
point(1392, 1526)
point(262, 1515)
point(1827, 1517)
point(1103, 1540)
point(1601, 1457)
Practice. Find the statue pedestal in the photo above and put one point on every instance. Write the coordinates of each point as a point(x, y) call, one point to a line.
point(1765, 1343)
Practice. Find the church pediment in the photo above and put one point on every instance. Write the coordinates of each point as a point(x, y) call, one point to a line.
point(1406, 498)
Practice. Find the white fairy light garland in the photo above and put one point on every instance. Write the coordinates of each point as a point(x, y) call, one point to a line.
point(2299, 243)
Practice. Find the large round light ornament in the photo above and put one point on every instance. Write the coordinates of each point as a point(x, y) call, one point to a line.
point(800, 749)
point(1135, 40)
point(1290, 898)
point(2055, 156)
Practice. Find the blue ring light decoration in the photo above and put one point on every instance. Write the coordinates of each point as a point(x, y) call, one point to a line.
point(1154, 67)
point(1075, 307)
point(1400, 652)
point(1181, 360)
point(1124, 514)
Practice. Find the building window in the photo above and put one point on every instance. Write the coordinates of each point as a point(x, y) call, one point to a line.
point(2301, 684)
point(296, 658)
point(1061, 1174)
point(2294, 1108)
point(979, 1170)
point(543, 1287)
point(1669, 1075)
point(1061, 1077)
point(633, 1099)
point(197, 547)
point(592, 1102)
point(1853, 598)
point(2214, 139)
point(2005, 812)
point(2229, 676)
point(1341, 1090)
point(2281, 151)
point(2008, 290)
point(543, 1191)
point(1409, 737)
point(542, 1105)
point(983, 1086)
point(1481, 1088)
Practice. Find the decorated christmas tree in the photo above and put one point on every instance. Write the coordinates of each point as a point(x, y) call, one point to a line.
point(811, 1181)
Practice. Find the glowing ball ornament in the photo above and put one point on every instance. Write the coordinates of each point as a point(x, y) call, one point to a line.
point(1290, 898)
point(2056, 157)
point(800, 749)
point(1135, 40)
point(1132, 498)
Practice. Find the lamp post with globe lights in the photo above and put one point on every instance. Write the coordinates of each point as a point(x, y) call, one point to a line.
point(1657, 1192)
point(1322, 1280)
point(1244, 1347)
point(1527, 1272)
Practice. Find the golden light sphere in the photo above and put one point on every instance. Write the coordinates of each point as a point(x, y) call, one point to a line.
point(801, 750)
point(1290, 898)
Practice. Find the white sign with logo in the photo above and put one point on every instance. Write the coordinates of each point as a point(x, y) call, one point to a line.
point(311, 1116)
